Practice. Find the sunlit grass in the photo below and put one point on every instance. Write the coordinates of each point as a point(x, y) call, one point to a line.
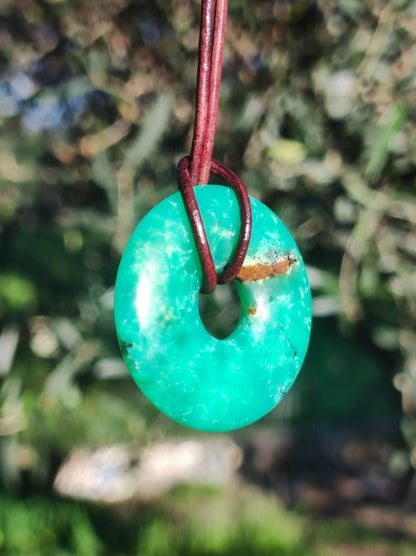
point(189, 521)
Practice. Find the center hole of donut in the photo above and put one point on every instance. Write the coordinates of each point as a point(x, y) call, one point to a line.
point(220, 310)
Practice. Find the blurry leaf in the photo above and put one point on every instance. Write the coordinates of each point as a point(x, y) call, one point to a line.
point(85, 539)
point(304, 122)
point(110, 369)
point(341, 94)
point(251, 113)
point(387, 337)
point(11, 170)
point(325, 305)
point(43, 341)
point(16, 293)
point(353, 8)
point(95, 143)
point(323, 281)
point(150, 133)
point(67, 332)
point(384, 135)
point(9, 338)
point(60, 383)
point(318, 172)
point(287, 151)
point(104, 176)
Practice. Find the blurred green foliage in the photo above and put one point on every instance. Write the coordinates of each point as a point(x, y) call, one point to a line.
point(229, 523)
point(96, 107)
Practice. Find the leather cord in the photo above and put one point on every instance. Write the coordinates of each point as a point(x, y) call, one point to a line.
point(196, 169)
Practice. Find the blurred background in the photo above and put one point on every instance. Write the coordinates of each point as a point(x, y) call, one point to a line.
point(318, 118)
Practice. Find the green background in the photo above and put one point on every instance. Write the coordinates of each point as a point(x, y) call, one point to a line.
point(317, 117)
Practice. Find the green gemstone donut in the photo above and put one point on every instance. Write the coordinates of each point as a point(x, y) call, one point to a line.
point(194, 378)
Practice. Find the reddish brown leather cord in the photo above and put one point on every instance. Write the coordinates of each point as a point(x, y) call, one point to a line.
point(211, 48)
point(199, 168)
point(196, 169)
point(211, 279)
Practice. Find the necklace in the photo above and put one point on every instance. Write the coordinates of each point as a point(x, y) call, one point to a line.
point(197, 238)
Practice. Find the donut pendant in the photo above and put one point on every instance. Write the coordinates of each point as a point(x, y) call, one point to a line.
point(198, 380)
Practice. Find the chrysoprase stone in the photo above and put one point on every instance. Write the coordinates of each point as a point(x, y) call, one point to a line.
point(194, 378)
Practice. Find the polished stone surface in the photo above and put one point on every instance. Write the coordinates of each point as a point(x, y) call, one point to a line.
point(194, 378)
